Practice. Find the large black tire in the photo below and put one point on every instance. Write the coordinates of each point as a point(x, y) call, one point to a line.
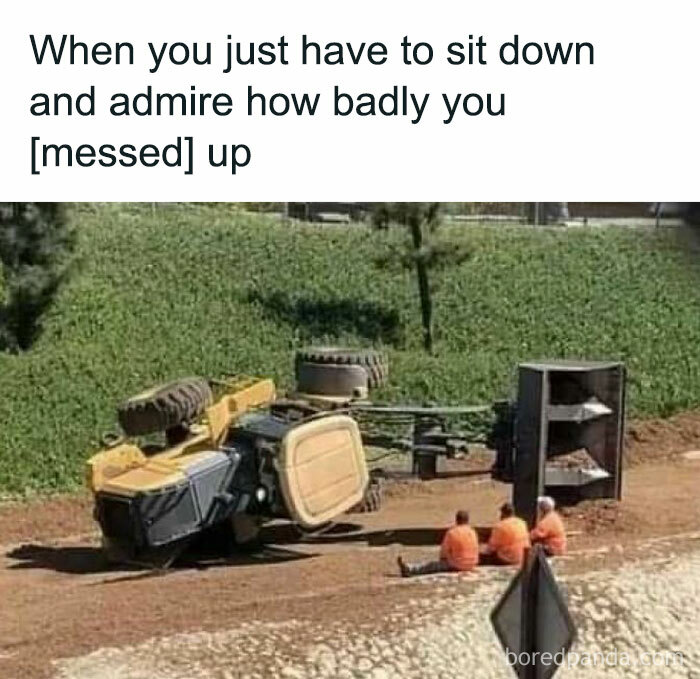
point(165, 406)
point(374, 363)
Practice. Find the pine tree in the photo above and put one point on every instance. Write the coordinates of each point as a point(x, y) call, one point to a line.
point(424, 251)
point(36, 244)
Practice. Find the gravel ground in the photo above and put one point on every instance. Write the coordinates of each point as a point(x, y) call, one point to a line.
point(649, 606)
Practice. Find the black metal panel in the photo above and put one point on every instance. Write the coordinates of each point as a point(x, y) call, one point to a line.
point(156, 518)
point(169, 514)
point(564, 406)
point(117, 518)
point(209, 482)
point(530, 432)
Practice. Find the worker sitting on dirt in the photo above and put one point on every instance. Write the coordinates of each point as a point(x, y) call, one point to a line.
point(549, 531)
point(459, 551)
point(509, 539)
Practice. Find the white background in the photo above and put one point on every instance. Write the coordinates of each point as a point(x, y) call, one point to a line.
point(626, 128)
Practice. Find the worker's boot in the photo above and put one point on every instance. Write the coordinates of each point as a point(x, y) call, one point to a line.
point(403, 567)
point(427, 568)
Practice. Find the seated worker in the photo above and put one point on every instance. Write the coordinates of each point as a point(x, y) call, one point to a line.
point(459, 551)
point(549, 531)
point(509, 539)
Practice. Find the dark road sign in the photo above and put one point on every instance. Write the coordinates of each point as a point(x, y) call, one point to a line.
point(532, 621)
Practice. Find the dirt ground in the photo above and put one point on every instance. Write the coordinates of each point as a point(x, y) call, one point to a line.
point(59, 599)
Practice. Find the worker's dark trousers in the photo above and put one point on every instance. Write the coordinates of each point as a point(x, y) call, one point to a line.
point(429, 567)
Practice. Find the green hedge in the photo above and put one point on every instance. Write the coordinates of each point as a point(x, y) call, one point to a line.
point(160, 292)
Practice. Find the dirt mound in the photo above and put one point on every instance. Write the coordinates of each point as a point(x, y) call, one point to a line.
point(579, 459)
point(652, 440)
point(593, 517)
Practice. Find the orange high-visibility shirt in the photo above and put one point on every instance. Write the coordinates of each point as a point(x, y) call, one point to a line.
point(460, 548)
point(509, 540)
point(550, 532)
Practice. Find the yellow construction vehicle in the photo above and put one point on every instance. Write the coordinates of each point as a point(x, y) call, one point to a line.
point(235, 461)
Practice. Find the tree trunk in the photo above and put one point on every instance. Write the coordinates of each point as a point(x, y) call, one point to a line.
point(426, 304)
point(547, 213)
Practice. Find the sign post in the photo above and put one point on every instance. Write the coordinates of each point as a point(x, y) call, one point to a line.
point(532, 621)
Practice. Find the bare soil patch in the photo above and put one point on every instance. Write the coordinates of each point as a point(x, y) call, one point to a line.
point(59, 597)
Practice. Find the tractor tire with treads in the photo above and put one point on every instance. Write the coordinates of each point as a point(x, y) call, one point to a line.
point(374, 363)
point(165, 406)
point(372, 499)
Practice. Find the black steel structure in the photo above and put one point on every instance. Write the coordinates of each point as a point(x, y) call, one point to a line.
point(564, 407)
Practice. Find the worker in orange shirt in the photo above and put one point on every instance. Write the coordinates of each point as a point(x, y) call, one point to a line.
point(459, 551)
point(509, 539)
point(549, 531)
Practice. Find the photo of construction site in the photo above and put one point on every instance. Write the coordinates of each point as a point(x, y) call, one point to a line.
point(338, 440)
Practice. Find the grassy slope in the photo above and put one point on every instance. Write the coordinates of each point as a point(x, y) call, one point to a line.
point(202, 289)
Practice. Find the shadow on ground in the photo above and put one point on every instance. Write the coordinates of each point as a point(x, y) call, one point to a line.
point(275, 546)
point(278, 544)
point(73, 560)
point(317, 317)
point(407, 537)
point(91, 560)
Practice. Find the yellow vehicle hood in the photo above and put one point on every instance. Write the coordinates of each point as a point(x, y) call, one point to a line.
point(155, 474)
